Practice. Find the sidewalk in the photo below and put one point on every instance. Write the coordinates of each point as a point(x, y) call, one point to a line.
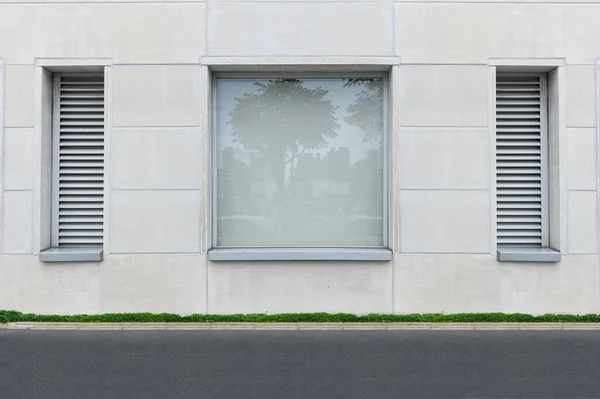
point(303, 326)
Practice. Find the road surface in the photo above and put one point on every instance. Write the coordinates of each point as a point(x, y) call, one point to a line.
point(279, 364)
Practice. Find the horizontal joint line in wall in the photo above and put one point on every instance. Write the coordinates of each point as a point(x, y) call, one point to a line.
point(578, 190)
point(155, 127)
point(129, 190)
point(442, 64)
point(101, 1)
point(276, 56)
point(290, 57)
point(157, 64)
point(495, 2)
point(479, 190)
point(442, 127)
point(580, 127)
point(305, 1)
point(18, 127)
point(158, 253)
point(17, 190)
point(443, 253)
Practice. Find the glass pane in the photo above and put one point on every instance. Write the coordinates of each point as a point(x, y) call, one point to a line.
point(300, 162)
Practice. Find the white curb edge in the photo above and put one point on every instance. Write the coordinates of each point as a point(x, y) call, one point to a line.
point(302, 326)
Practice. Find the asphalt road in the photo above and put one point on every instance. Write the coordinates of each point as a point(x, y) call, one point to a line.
point(212, 364)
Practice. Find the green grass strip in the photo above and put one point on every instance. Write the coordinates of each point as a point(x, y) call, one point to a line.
point(8, 316)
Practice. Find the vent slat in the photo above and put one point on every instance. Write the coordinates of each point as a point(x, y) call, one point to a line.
point(522, 219)
point(87, 212)
point(85, 241)
point(81, 219)
point(87, 114)
point(80, 160)
point(516, 129)
point(519, 160)
point(520, 241)
point(511, 109)
point(80, 206)
point(85, 230)
point(81, 179)
point(508, 213)
point(513, 190)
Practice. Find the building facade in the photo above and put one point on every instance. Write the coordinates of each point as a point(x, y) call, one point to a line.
point(250, 156)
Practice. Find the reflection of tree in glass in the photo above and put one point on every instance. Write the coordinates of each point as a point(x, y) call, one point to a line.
point(282, 119)
point(366, 111)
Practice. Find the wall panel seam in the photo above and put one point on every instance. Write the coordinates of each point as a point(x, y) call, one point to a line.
point(597, 153)
point(2, 147)
point(130, 190)
point(123, 127)
point(476, 190)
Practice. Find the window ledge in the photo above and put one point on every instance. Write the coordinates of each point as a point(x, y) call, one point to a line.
point(301, 254)
point(528, 255)
point(299, 64)
point(72, 255)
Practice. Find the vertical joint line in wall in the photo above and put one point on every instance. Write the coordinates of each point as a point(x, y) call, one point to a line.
point(393, 12)
point(393, 193)
point(393, 274)
point(491, 80)
point(206, 41)
point(2, 147)
point(206, 274)
point(597, 137)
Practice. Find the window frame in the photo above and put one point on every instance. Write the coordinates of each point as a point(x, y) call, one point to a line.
point(48, 72)
point(544, 155)
point(296, 251)
point(55, 157)
point(555, 70)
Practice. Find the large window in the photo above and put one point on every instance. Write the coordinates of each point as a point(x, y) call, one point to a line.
point(300, 162)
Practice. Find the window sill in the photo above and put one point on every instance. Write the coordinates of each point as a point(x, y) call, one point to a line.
point(72, 255)
point(300, 254)
point(528, 255)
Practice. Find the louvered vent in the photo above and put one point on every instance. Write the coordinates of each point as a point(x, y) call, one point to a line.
point(520, 170)
point(80, 147)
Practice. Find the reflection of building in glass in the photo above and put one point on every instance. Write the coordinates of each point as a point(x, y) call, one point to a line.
point(334, 175)
point(224, 173)
point(328, 175)
point(251, 177)
point(233, 177)
point(335, 165)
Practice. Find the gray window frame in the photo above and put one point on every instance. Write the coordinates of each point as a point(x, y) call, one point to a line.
point(300, 252)
point(56, 253)
point(543, 148)
point(543, 253)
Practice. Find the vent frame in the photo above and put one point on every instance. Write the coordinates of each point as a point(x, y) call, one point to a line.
point(522, 223)
point(78, 164)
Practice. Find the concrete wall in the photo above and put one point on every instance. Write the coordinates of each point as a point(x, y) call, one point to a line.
point(157, 218)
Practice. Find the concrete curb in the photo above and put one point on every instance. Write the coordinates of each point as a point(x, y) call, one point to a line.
point(302, 326)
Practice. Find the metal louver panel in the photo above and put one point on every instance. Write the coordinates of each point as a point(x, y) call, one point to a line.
point(520, 160)
point(79, 160)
